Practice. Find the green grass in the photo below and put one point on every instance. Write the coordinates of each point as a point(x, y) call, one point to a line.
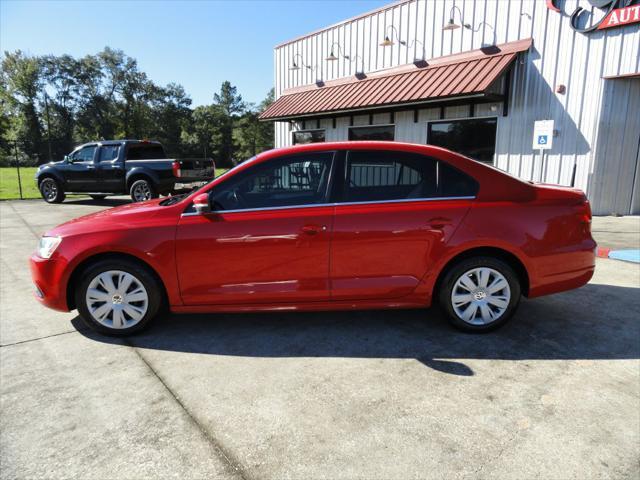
point(9, 182)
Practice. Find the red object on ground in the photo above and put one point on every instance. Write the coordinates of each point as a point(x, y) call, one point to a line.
point(333, 254)
point(603, 252)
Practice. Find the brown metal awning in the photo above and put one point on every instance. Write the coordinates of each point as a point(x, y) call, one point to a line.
point(454, 77)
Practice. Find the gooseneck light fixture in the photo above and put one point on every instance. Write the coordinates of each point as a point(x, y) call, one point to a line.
point(451, 24)
point(388, 41)
point(298, 65)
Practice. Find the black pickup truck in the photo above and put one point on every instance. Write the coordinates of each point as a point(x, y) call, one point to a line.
point(137, 167)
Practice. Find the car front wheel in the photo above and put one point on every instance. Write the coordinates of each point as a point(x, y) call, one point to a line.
point(480, 294)
point(51, 190)
point(118, 297)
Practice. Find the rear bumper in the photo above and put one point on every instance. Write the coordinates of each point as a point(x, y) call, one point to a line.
point(47, 276)
point(564, 271)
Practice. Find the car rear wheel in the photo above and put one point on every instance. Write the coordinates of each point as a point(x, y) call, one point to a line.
point(142, 190)
point(118, 297)
point(97, 198)
point(480, 294)
point(51, 190)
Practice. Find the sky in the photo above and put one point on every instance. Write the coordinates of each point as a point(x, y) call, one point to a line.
point(196, 43)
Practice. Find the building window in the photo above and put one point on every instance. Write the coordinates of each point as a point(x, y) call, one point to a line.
point(308, 136)
point(474, 138)
point(373, 132)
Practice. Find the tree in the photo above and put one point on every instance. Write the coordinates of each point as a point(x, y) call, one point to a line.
point(22, 83)
point(254, 136)
point(229, 101)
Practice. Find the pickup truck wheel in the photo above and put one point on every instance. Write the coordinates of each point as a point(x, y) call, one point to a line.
point(97, 198)
point(118, 297)
point(142, 190)
point(480, 294)
point(51, 190)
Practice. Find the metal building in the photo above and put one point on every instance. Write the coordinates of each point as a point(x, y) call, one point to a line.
point(475, 76)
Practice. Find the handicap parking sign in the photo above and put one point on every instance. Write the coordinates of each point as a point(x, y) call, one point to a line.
point(542, 134)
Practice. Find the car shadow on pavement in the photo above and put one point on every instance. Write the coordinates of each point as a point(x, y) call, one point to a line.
point(594, 322)
point(106, 202)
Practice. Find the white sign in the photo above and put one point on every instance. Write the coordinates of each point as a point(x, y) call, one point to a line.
point(543, 134)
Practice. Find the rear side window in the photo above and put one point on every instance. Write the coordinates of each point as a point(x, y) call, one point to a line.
point(387, 175)
point(142, 151)
point(108, 153)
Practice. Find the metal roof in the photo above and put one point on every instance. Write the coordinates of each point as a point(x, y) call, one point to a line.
point(446, 78)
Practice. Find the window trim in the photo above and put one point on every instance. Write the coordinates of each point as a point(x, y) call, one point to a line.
point(461, 119)
point(369, 126)
point(308, 130)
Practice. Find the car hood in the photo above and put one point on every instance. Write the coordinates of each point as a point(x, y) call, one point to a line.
point(131, 215)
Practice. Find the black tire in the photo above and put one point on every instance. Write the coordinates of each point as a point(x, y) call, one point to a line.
point(97, 198)
point(51, 190)
point(466, 268)
point(143, 186)
point(141, 273)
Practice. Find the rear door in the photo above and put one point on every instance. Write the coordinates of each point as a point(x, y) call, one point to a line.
point(395, 213)
point(266, 242)
point(110, 166)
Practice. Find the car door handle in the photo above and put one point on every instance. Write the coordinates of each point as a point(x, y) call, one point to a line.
point(90, 167)
point(313, 229)
point(439, 222)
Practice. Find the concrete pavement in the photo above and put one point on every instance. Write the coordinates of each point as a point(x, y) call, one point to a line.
point(380, 394)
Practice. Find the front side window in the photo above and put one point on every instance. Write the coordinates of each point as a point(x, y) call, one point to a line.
point(308, 136)
point(474, 138)
point(84, 154)
point(109, 153)
point(373, 132)
point(292, 181)
point(389, 175)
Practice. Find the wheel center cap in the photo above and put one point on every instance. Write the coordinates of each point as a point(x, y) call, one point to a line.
point(116, 299)
point(480, 295)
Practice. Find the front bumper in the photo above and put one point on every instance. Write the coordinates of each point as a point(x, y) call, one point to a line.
point(49, 281)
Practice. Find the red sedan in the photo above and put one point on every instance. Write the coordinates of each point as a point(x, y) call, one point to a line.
point(327, 226)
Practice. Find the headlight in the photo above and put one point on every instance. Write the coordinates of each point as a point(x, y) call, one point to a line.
point(47, 246)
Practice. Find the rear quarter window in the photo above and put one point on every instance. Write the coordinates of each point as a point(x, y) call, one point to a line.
point(454, 183)
point(145, 152)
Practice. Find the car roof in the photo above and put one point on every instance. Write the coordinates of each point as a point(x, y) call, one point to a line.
point(117, 142)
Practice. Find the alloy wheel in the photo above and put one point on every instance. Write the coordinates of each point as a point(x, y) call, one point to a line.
point(117, 299)
point(480, 296)
point(141, 192)
point(49, 189)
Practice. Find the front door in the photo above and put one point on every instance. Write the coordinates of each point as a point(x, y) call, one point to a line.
point(396, 213)
point(81, 171)
point(266, 242)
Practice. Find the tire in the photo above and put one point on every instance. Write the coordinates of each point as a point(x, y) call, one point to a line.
point(97, 198)
point(142, 190)
point(105, 308)
point(51, 190)
point(479, 310)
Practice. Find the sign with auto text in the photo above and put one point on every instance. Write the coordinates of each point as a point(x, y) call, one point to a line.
point(543, 134)
point(616, 13)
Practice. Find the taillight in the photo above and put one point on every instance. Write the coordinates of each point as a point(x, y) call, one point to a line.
point(585, 216)
point(176, 169)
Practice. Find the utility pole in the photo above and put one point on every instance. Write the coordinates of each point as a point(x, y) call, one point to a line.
point(46, 108)
point(15, 147)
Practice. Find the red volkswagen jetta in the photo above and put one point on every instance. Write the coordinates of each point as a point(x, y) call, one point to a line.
point(327, 226)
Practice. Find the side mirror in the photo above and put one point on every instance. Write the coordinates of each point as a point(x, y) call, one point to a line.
point(67, 159)
point(201, 203)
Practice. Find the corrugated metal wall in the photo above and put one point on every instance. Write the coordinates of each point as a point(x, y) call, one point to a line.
point(559, 56)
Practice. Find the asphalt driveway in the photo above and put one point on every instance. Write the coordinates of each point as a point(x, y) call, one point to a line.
point(384, 394)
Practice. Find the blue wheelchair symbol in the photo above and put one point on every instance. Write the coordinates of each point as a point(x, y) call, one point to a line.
point(542, 139)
